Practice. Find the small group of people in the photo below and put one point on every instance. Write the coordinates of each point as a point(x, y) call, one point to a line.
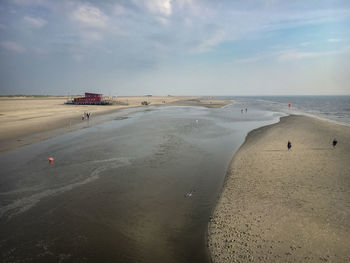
point(334, 143)
point(242, 110)
point(86, 115)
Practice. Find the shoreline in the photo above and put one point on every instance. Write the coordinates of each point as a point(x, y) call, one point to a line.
point(270, 208)
point(29, 120)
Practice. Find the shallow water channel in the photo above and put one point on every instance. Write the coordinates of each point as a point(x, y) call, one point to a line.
point(139, 188)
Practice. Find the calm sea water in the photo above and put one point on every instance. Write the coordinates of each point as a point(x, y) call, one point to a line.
point(333, 108)
point(139, 188)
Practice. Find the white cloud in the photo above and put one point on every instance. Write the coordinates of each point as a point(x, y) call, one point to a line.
point(162, 7)
point(210, 42)
point(119, 10)
point(162, 20)
point(295, 54)
point(91, 35)
point(183, 3)
point(305, 44)
point(333, 40)
point(40, 51)
point(254, 59)
point(292, 54)
point(34, 21)
point(29, 2)
point(90, 16)
point(12, 46)
point(78, 57)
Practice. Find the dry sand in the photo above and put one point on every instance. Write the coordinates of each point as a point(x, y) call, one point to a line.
point(286, 206)
point(25, 120)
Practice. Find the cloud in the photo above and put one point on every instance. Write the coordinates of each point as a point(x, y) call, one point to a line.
point(162, 20)
point(295, 54)
point(12, 46)
point(333, 40)
point(78, 57)
point(268, 20)
point(161, 7)
point(305, 44)
point(34, 21)
point(90, 16)
point(210, 42)
point(119, 10)
point(292, 54)
point(91, 35)
point(29, 2)
point(40, 51)
point(254, 59)
point(183, 3)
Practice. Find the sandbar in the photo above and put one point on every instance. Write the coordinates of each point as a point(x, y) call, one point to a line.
point(286, 206)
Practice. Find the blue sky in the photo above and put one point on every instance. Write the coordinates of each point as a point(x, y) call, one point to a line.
point(178, 47)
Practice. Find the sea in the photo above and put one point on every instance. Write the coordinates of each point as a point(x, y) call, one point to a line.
point(139, 187)
point(330, 108)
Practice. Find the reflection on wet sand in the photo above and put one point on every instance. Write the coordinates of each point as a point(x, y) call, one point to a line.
point(131, 190)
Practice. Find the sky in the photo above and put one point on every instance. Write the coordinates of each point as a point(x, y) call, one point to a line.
point(175, 47)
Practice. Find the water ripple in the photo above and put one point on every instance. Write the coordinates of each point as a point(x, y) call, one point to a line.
point(23, 204)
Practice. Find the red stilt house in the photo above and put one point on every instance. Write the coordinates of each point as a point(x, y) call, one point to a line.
point(90, 98)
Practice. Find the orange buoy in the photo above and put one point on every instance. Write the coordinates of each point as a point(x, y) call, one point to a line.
point(51, 160)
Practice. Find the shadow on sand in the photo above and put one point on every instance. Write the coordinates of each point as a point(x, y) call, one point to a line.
point(275, 150)
point(314, 149)
point(322, 149)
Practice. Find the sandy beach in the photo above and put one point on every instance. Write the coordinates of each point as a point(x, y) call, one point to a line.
point(286, 206)
point(25, 120)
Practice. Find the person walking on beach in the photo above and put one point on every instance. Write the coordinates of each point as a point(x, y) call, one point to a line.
point(334, 142)
point(246, 110)
point(289, 145)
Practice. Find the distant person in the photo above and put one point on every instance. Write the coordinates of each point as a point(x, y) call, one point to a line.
point(82, 117)
point(242, 111)
point(246, 110)
point(334, 142)
point(88, 115)
point(289, 145)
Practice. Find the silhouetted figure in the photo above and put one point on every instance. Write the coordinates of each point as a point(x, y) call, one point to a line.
point(246, 110)
point(334, 142)
point(289, 145)
point(241, 110)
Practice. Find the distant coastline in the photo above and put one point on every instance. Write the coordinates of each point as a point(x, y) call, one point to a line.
point(26, 119)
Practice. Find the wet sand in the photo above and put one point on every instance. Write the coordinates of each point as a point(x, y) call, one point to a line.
point(26, 120)
point(286, 206)
point(118, 191)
